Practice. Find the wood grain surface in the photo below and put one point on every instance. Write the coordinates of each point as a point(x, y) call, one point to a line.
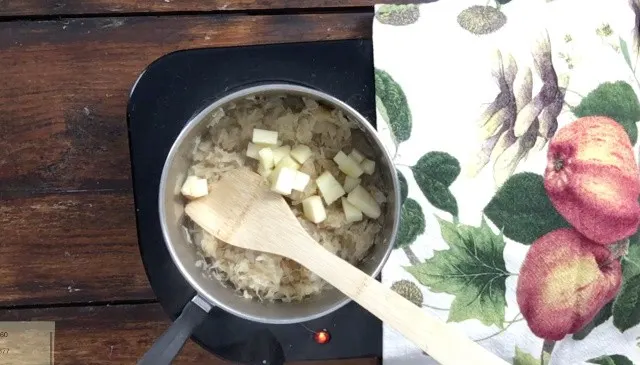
point(119, 334)
point(70, 248)
point(67, 216)
point(67, 219)
point(51, 7)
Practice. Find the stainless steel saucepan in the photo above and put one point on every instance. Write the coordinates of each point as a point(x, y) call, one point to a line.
point(211, 293)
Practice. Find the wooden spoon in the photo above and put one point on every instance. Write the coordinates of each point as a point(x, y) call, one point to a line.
point(242, 211)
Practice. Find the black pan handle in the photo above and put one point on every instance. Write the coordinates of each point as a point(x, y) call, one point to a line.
point(167, 347)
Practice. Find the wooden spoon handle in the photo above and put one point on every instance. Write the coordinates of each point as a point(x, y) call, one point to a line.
point(445, 343)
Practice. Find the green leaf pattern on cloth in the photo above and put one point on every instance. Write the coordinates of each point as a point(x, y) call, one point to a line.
point(522, 209)
point(392, 105)
point(625, 52)
point(404, 187)
point(411, 223)
point(523, 358)
point(611, 360)
point(472, 269)
point(434, 173)
point(616, 100)
point(626, 307)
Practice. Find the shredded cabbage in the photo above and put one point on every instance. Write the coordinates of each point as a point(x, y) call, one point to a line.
point(256, 275)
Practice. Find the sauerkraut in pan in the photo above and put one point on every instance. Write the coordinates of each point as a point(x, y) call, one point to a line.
point(314, 156)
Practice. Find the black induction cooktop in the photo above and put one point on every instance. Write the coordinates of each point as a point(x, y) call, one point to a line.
point(175, 88)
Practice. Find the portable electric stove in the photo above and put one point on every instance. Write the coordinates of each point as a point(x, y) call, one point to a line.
point(175, 88)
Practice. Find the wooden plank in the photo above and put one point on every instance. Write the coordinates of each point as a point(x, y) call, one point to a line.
point(65, 86)
point(119, 334)
point(70, 248)
point(58, 7)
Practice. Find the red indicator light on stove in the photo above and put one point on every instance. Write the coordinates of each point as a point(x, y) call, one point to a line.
point(322, 337)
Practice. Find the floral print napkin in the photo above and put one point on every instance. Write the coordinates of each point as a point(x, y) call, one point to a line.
point(513, 126)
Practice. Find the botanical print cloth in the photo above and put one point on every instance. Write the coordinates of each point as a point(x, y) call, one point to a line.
point(513, 126)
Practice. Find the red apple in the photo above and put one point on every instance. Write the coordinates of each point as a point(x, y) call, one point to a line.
point(593, 180)
point(564, 281)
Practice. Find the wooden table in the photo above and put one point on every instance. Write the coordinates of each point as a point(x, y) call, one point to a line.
point(68, 245)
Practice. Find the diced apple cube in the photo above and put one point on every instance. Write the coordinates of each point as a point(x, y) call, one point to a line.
point(263, 136)
point(364, 201)
point(357, 156)
point(266, 157)
point(347, 165)
point(252, 150)
point(280, 153)
point(301, 181)
point(368, 166)
point(288, 162)
point(283, 181)
point(194, 187)
point(313, 209)
point(351, 213)
point(350, 183)
point(301, 153)
point(329, 187)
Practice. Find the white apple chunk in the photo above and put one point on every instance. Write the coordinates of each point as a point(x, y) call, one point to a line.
point(301, 181)
point(350, 183)
point(313, 209)
point(368, 166)
point(288, 162)
point(347, 165)
point(252, 150)
point(266, 158)
point(264, 137)
point(280, 153)
point(283, 181)
point(356, 155)
point(301, 153)
point(351, 213)
point(194, 187)
point(329, 187)
point(364, 201)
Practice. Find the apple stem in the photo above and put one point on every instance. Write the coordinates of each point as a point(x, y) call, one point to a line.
point(547, 347)
point(558, 163)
